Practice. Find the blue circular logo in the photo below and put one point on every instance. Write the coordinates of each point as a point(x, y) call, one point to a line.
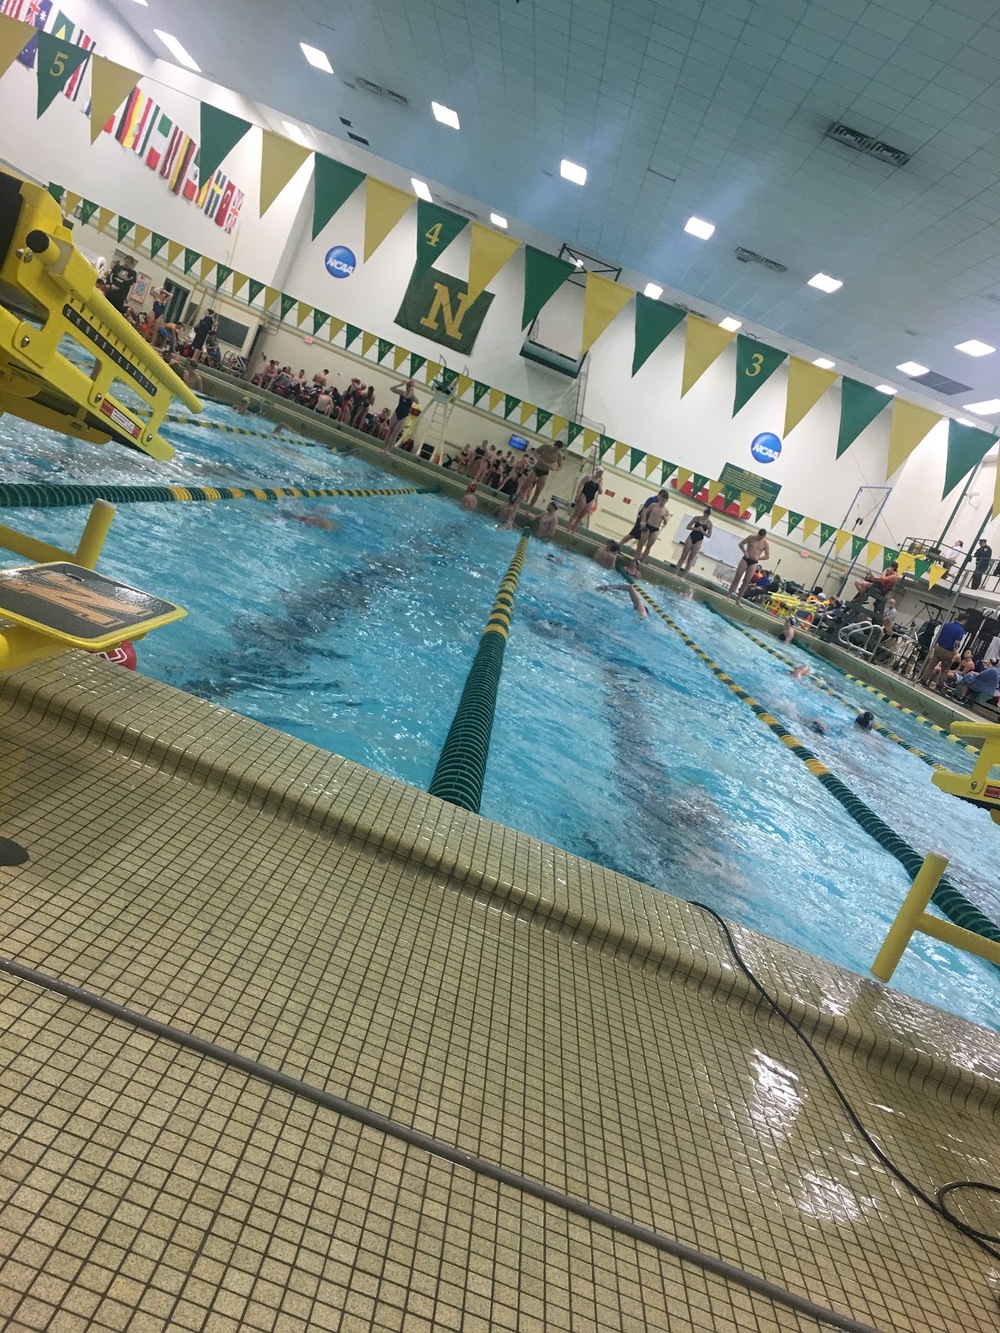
point(765, 448)
point(340, 262)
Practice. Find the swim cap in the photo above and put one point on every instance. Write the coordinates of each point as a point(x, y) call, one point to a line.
point(864, 721)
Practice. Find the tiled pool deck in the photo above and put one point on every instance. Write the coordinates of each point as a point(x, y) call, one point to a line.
point(492, 991)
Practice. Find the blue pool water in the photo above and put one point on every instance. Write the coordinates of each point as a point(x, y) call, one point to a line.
point(612, 740)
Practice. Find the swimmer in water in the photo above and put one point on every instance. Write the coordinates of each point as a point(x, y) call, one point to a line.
point(468, 500)
point(638, 605)
point(607, 556)
point(863, 720)
point(788, 633)
point(546, 524)
point(800, 672)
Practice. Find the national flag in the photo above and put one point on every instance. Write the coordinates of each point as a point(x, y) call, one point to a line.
point(12, 8)
point(175, 166)
point(128, 116)
point(170, 153)
point(233, 215)
point(35, 12)
point(191, 187)
point(213, 195)
point(222, 212)
point(140, 124)
point(143, 137)
point(159, 138)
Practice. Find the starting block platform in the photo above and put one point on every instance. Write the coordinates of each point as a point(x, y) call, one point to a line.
point(980, 787)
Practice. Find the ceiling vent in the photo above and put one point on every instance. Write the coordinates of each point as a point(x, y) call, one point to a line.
point(752, 257)
point(867, 144)
point(941, 383)
point(358, 139)
point(379, 91)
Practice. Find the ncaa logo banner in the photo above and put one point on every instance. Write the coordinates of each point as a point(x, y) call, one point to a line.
point(340, 262)
point(765, 448)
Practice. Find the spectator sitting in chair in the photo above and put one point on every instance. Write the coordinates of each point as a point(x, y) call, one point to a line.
point(977, 687)
point(881, 586)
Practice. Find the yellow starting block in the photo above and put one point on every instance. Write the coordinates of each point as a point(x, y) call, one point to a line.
point(48, 292)
point(977, 788)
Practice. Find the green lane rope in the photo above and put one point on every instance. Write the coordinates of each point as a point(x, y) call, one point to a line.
point(45, 495)
point(821, 684)
point(955, 906)
point(461, 769)
point(239, 430)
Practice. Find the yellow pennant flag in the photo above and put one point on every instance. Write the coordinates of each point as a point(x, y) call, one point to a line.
point(683, 477)
point(906, 562)
point(806, 386)
point(205, 266)
point(280, 159)
point(526, 410)
point(301, 310)
point(463, 386)
point(271, 294)
point(778, 512)
point(14, 37)
point(714, 489)
point(335, 326)
point(602, 300)
point(104, 216)
point(589, 440)
point(933, 574)
point(746, 500)
point(368, 341)
point(489, 250)
point(495, 398)
point(174, 252)
point(399, 355)
point(620, 451)
point(840, 541)
point(809, 526)
point(650, 465)
point(558, 425)
point(110, 84)
point(240, 280)
point(71, 202)
point(432, 370)
point(384, 207)
point(873, 551)
point(910, 424)
point(704, 342)
point(141, 235)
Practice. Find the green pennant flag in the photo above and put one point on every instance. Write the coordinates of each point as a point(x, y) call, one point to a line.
point(124, 227)
point(858, 544)
point(319, 319)
point(920, 566)
point(510, 401)
point(889, 557)
point(333, 185)
point(761, 507)
point(731, 495)
point(667, 470)
point(860, 404)
point(351, 335)
point(542, 418)
point(191, 258)
point(156, 243)
point(254, 289)
point(826, 531)
point(479, 390)
point(544, 274)
point(755, 363)
point(58, 61)
point(605, 443)
point(437, 227)
point(56, 191)
point(416, 363)
point(221, 131)
point(286, 303)
point(222, 272)
point(698, 483)
point(635, 457)
point(573, 429)
point(87, 211)
point(793, 521)
point(653, 322)
point(967, 446)
point(448, 377)
point(385, 346)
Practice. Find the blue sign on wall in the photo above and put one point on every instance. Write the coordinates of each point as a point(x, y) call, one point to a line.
point(765, 448)
point(340, 262)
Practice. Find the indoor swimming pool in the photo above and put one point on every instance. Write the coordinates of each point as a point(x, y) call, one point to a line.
point(351, 623)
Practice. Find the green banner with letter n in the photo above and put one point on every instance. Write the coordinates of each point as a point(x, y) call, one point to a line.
point(437, 306)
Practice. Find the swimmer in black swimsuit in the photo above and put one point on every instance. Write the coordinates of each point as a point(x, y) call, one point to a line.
point(507, 513)
point(699, 529)
point(755, 549)
point(590, 488)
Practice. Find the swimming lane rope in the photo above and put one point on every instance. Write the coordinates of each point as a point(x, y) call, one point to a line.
point(461, 769)
point(45, 495)
point(955, 906)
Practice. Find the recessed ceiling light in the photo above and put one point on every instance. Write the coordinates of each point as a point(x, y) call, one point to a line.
point(317, 58)
point(445, 115)
point(730, 324)
point(824, 363)
point(695, 227)
point(974, 348)
point(913, 369)
point(571, 172)
point(176, 50)
point(886, 388)
point(498, 220)
point(143, 2)
point(825, 283)
point(295, 133)
point(420, 190)
point(652, 291)
point(986, 409)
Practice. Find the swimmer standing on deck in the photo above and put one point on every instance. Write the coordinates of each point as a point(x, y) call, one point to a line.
point(755, 549)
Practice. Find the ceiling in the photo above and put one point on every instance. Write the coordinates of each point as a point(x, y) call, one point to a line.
point(716, 108)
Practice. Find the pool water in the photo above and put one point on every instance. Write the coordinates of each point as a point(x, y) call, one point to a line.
point(611, 740)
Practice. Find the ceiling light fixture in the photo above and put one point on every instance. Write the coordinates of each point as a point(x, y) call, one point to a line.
point(913, 369)
point(421, 190)
point(695, 227)
point(825, 283)
point(144, 3)
point(986, 409)
point(295, 133)
point(445, 115)
point(317, 58)
point(653, 291)
point(571, 172)
point(498, 220)
point(824, 363)
point(886, 388)
point(177, 51)
point(974, 348)
point(730, 324)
